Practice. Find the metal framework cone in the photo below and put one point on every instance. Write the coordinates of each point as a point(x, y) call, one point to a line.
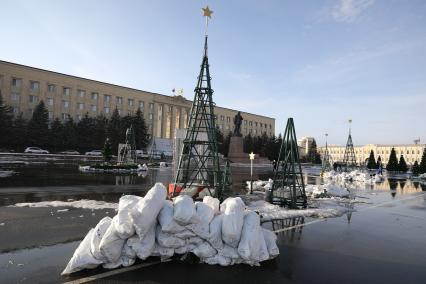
point(288, 188)
point(327, 161)
point(349, 160)
point(199, 160)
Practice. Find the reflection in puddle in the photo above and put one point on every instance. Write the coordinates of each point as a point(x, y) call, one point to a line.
point(289, 229)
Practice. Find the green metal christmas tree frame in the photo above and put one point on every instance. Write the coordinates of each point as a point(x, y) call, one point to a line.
point(349, 160)
point(288, 188)
point(327, 160)
point(199, 160)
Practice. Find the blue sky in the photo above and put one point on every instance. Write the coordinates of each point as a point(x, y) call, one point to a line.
point(320, 62)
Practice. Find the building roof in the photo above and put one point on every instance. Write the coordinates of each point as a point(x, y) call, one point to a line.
point(114, 85)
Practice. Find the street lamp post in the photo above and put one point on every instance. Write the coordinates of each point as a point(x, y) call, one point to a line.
point(251, 155)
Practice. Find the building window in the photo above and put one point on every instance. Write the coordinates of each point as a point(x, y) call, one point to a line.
point(245, 122)
point(222, 118)
point(255, 124)
point(51, 88)
point(119, 111)
point(94, 96)
point(81, 93)
point(151, 116)
point(106, 109)
point(250, 124)
point(151, 106)
point(119, 100)
point(50, 115)
point(93, 108)
point(14, 97)
point(170, 109)
point(255, 131)
point(107, 99)
point(141, 105)
point(16, 82)
point(64, 116)
point(79, 117)
point(33, 99)
point(228, 119)
point(15, 110)
point(66, 91)
point(34, 85)
point(261, 125)
point(65, 104)
point(80, 106)
point(131, 102)
point(50, 101)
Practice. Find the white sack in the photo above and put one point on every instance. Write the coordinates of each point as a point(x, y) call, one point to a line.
point(82, 257)
point(97, 236)
point(168, 240)
point(271, 242)
point(124, 225)
point(213, 203)
point(204, 250)
point(194, 240)
point(229, 252)
point(143, 248)
point(217, 259)
point(184, 234)
point(205, 214)
point(146, 210)
point(215, 234)
point(186, 248)
point(111, 243)
point(252, 246)
point(164, 252)
point(127, 258)
point(184, 210)
point(165, 218)
point(223, 204)
point(232, 221)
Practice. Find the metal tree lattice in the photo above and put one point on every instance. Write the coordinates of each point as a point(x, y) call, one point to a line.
point(349, 160)
point(288, 188)
point(199, 161)
point(327, 161)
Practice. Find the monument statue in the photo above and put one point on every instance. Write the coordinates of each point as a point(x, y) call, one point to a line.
point(238, 119)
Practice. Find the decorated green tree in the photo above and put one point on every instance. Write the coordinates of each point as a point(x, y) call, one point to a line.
point(371, 164)
point(393, 161)
point(416, 169)
point(402, 165)
point(107, 151)
point(423, 162)
point(38, 127)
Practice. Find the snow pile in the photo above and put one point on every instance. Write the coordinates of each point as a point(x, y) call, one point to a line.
point(223, 234)
point(260, 185)
point(84, 204)
point(326, 190)
point(353, 176)
point(269, 211)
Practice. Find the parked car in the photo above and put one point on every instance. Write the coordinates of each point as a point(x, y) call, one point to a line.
point(35, 150)
point(94, 153)
point(70, 152)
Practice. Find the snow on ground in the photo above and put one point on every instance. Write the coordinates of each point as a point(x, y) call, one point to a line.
point(84, 204)
point(269, 211)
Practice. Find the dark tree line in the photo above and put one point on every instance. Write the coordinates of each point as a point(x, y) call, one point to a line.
point(87, 134)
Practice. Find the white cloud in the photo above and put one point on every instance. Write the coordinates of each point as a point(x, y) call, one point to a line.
point(349, 10)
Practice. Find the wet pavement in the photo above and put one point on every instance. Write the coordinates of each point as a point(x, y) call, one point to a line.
point(383, 241)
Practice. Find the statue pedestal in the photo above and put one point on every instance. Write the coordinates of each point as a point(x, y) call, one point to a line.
point(236, 153)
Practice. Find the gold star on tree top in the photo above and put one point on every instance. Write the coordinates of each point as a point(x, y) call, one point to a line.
point(207, 12)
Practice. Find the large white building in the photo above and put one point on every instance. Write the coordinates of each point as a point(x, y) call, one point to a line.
point(411, 152)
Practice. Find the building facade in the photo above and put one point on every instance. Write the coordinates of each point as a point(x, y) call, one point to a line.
point(411, 152)
point(23, 87)
point(305, 145)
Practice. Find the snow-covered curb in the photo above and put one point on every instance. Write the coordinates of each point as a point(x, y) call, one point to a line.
point(83, 204)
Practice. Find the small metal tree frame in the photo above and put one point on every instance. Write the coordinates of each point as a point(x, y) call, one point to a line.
point(349, 160)
point(127, 151)
point(199, 161)
point(288, 188)
point(327, 161)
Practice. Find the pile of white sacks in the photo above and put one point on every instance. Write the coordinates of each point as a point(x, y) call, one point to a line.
point(223, 234)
